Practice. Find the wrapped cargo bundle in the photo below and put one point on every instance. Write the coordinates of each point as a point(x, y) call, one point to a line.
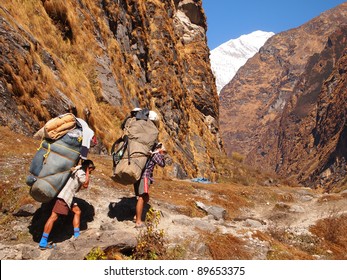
point(51, 166)
point(140, 136)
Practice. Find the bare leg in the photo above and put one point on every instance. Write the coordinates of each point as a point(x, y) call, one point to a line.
point(50, 222)
point(142, 200)
point(47, 229)
point(77, 216)
point(76, 220)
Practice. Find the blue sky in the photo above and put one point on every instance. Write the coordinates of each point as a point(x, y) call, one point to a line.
point(229, 19)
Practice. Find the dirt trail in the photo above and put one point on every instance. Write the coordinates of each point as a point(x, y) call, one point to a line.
point(109, 210)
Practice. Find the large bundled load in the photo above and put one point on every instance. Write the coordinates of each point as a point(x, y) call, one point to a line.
point(60, 150)
point(130, 153)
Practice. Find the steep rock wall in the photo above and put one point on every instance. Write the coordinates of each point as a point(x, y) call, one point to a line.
point(99, 59)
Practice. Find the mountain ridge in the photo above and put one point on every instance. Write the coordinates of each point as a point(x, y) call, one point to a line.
point(275, 100)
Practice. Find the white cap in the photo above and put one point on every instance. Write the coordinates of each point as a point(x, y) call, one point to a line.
point(137, 109)
point(153, 116)
point(163, 147)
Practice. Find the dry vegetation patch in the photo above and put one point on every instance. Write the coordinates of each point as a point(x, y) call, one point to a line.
point(227, 247)
point(15, 153)
point(187, 193)
point(332, 231)
point(330, 197)
point(281, 246)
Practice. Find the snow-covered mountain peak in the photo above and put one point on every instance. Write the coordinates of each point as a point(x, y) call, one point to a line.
point(227, 58)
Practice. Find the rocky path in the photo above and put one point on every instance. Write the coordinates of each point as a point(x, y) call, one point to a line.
point(111, 225)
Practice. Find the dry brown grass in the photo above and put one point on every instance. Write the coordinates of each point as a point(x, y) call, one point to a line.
point(329, 197)
point(46, 20)
point(332, 231)
point(186, 193)
point(328, 240)
point(280, 251)
point(227, 247)
point(237, 156)
point(13, 144)
point(15, 152)
point(281, 246)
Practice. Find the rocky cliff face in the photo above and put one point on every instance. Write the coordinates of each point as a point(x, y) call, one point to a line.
point(286, 108)
point(99, 59)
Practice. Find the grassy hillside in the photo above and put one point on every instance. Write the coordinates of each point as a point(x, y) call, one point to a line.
point(101, 59)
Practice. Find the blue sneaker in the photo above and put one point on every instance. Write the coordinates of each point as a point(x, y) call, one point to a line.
point(44, 241)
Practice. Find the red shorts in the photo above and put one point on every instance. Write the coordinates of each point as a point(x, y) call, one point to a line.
point(60, 207)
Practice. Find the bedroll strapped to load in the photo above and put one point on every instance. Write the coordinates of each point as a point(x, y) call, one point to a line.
point(131, 152)
point(59, 126)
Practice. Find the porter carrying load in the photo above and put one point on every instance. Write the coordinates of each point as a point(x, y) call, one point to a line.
point(130, 153)
point(51, 166)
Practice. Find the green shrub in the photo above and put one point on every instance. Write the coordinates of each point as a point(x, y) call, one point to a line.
point(150, 242)
point(96, 254)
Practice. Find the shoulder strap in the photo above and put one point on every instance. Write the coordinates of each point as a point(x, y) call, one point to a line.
point(114, 153)
point(124, 139)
